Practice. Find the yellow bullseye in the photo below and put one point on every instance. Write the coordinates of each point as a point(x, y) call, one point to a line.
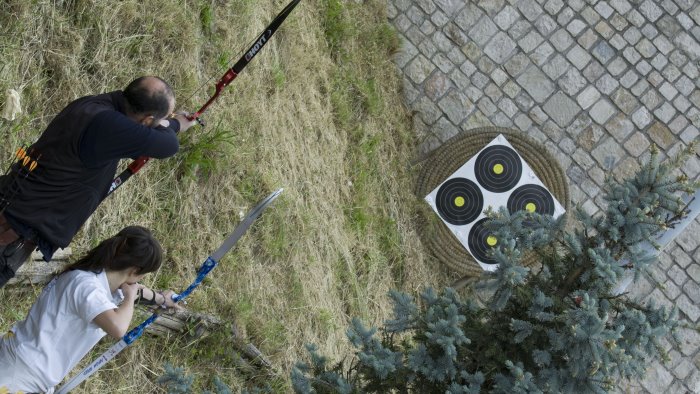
point(491, 240)
point(530, 207)
point(498, 169)
point(459, 201)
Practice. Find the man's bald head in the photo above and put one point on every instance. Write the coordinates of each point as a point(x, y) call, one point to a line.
point(150, 96)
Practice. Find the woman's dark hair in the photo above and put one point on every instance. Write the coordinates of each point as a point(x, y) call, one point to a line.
point(143, 98)
point(134, 246)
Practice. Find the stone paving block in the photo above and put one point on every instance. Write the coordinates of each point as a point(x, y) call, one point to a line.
point(619, 22)
point(670, 6)
point(640, 87)
point(542, 54)
point(678, 124)
point(583, 159)
point(671, 73)
point(428, 111)
point(419, 69)
point(637, 144)
point(651, 99)
point(579, 57)
point(607, 153)
point(665, 112)
point(670, 290)
point(523, 122)
point(506, 17)
point(668, 91)
point(500, 47)
point(452, 32)
point(530, 9)
point(439, 18)
point(678, 58)
point(437, 85)
point(604, 9)
point(493, 92)
point(593, 71)
point(535, 82)
point(620, 127)
point(410, 92)
point(590, 15)
point(480, 80)
point(443, 62)
point(643, 67)
point(603, 52)
point(565, 16)
point(545, 24)
point(450, 7)
point(427, 27)
point(516, 64)
point(492, 7)
point(486, 65)
point(587, 39)
point(689, 134)
point(649, 31)
point(604, 29)
point(686, 306)
point(561, 109)
point(561, 40)
point(589, 137)
point(617, 66)
point(524, 101)
point(519, 28)
point(641, 117)
point(688, 239)
point(444, 129)
point(693, 382)
point(588, 97)
point(650, 10)
point(427, 48)
point(538, 115)
point(556, 67)
point(576, 26)
point(554, 6)
point(692, 290)
point(572, 82)
point(629, 79)
point(530, 41)
point(688, 44)
point(456, 106)
point(636, 18)
point(659, 62)
point(602, 111)
point(482, 32)
point(469, 16)
point(607, 84)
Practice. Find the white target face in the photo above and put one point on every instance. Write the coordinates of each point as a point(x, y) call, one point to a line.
point(496, 176)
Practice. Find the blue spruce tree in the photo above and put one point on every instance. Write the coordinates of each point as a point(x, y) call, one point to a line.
point(556, 326)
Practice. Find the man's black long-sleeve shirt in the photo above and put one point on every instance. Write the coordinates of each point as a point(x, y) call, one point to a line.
point(79, 152)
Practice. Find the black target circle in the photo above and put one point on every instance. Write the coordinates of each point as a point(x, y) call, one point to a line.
point(459, 201)
point(498, 168)
point(481, 241)
point(531, 198)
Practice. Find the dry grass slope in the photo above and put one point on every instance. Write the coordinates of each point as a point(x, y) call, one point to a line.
point(318, 112)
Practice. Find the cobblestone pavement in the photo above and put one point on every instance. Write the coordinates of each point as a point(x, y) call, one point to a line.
point(597, 82)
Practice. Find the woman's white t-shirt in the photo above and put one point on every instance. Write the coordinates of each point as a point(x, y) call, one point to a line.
point(57, 333)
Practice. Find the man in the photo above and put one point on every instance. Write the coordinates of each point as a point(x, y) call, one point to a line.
point(79, 152)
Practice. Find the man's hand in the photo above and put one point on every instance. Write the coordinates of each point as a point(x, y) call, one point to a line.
point(184, 122)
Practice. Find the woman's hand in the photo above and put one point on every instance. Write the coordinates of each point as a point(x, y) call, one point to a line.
point(130, 291)
point(169, 303)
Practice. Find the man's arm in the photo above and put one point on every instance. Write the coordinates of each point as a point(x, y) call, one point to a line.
point(112, 136)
